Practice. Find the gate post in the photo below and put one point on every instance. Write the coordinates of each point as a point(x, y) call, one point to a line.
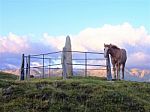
point(22, 68)
point(28, 67)
point(49, 67)
point(85, 64)
point(43, 67)
point(109, 76)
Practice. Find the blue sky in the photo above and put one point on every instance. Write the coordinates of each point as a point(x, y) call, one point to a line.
point(40, 26)
point(62, 17)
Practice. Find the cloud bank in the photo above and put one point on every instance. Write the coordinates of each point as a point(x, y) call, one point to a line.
point(135, 40)
point(13, 43)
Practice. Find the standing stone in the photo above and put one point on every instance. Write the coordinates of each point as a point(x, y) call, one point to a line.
point(68, 56)
point(64, 64)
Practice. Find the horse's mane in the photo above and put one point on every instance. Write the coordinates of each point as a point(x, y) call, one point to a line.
point(114, 47)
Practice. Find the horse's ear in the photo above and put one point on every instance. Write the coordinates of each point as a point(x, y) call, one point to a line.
point(110, 45)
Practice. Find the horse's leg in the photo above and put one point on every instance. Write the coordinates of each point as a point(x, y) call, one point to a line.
point(118, 71)
point(123, 65)
point(114, 70)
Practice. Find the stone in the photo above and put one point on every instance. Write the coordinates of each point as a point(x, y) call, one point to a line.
point(64, 64)
point(7, 92)
point(68, 56)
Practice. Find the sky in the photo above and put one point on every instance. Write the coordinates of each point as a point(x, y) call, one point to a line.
point(40, 26)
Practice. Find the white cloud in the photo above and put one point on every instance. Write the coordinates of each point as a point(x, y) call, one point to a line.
point(94, 38)
point(13, 43)
point(55, 42)
point(35, 64)
point(124, 35)
point(11, 66)
point(135, 40)
point(139, 59)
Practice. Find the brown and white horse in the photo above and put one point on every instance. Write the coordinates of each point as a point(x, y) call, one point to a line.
point(118, 58)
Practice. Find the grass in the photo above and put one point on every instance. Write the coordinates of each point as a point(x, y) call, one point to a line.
point(8, 76)
point(76, 94)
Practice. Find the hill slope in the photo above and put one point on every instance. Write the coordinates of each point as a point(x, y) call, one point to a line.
point(8, 76)
point(77, 94)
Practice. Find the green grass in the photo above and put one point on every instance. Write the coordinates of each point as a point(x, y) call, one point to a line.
point(8, 76)
point(76, 94)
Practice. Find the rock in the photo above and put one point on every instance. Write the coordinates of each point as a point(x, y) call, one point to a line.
point(40, 86)
point(45, 96)
point(31, 76)
point(68, 56)
point(7, 91)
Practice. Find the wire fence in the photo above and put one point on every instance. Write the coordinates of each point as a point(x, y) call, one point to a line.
point(50, 64)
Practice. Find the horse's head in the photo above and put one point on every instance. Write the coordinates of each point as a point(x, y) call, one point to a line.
point(107, 49)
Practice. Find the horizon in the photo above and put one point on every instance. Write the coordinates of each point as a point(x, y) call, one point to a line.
point(34, 27)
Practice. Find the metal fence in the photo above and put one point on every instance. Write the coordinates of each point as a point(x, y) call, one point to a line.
point(51, 64)
point(85, 61)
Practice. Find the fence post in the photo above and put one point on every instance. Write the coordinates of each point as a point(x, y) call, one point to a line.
point(64, 64)
point(49, 67)
point(85, 64)
point(22, 68)
point(109, 76)
point(43, 65)
point(28, 67)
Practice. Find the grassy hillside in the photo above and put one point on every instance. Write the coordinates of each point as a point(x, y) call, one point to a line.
point(8, 76)
point(77, 94)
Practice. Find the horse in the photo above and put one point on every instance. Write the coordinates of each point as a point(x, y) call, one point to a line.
point(118, 58)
